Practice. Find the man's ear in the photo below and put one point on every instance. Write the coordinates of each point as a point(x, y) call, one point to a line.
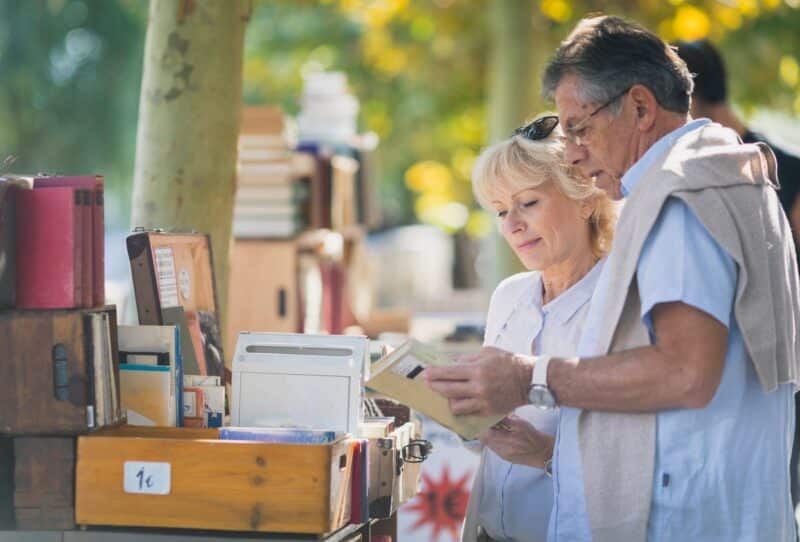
point(645, 106)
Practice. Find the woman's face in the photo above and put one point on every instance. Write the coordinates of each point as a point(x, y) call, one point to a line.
point(543, 226)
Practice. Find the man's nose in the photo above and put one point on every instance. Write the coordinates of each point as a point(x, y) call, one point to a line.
point(574, 153)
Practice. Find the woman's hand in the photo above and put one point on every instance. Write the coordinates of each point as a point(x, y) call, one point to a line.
point(517, 441)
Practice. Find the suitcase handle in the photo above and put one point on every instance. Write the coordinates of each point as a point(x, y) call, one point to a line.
point(282, 302)
point(66, 388)
point(60, 372)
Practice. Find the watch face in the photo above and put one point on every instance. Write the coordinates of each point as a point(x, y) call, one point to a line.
point(541, 397)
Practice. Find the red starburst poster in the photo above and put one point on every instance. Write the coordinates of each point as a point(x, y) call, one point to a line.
point(436, 513)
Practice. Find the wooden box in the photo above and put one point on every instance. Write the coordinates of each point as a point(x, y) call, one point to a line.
point(37, 476)
point(206, 483)
point(263, 288)
point(48, 381)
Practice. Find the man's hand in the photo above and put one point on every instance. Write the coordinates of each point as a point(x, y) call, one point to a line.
point(517, 441)
point(491, 381)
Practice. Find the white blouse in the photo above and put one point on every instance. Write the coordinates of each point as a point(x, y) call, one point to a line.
point(515, 500)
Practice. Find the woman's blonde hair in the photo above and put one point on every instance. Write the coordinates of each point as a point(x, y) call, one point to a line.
point(520, 163)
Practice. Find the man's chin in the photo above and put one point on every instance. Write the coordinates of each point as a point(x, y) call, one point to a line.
point(610, 185)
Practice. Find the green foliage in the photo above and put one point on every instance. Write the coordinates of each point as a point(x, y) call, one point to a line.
point(420, 68)
point(70, 73)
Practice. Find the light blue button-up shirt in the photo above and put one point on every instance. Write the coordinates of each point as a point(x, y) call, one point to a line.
point(721, 472)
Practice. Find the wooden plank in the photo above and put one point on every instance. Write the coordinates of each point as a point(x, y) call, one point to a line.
point(197, 433)
point(225, 485)
point(44, 475)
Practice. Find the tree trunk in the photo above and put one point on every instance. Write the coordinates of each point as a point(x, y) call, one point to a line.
point(189, 114)
point(513, 88)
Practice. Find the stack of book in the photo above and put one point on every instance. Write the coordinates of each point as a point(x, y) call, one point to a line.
point(272, 196)
point(51, 242)
point(328, 111)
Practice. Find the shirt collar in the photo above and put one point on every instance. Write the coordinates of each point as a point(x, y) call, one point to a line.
point(637, 171)
point(564, 307)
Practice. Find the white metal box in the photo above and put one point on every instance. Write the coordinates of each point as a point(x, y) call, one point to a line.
point(297, 380)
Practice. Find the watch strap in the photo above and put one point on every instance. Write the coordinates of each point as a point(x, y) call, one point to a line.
point(539, 377)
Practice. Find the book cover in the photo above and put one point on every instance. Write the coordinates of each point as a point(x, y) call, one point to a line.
point(93, 230)
point(397, 376)
point(275, 194)
point(263, 229)
point(149, 340)
point(101, 365)
point(49, 271)
point(176, 316)
point(146, 396)
point(280, 435)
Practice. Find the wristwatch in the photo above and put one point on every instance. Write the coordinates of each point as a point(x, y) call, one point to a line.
point(539, 394)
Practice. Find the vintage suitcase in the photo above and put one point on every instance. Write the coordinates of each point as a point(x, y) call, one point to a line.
point(263, 289)
point(59, 371)
point(187, 478)
point(173, 282)
point(44, 478)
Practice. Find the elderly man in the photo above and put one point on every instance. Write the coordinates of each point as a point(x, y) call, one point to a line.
point(676, 419)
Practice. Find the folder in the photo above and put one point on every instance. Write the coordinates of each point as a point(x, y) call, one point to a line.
point(164, 400)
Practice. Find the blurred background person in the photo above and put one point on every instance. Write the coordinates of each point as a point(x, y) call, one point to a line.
point(710, 99)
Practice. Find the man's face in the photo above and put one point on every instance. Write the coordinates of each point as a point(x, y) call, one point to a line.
point(598, 143)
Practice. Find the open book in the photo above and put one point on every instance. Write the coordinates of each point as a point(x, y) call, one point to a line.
point(397, 375)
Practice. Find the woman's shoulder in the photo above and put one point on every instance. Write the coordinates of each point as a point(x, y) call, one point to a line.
point(516, 284)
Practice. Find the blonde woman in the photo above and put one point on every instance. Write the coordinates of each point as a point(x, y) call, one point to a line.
point(560, 226)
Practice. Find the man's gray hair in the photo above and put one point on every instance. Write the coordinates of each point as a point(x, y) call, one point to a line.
point(609, 55)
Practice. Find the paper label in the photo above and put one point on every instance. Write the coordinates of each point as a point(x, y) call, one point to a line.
point(147, 477)
point(165, 275)
point(185, 281)
point(409, 367)
point(190, 403)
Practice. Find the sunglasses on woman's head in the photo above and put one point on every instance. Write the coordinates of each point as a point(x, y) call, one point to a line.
point(538, 129)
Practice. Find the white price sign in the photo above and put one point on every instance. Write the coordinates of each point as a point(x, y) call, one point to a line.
point(147, 477)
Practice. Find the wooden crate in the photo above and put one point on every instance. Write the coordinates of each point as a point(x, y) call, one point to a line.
point(30, 403)
point(263, 289)
point(37, 477)
point(214, 484)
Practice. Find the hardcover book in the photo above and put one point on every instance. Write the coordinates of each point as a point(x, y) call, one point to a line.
point(93, 231)
point(49, 271)
point(397, 375)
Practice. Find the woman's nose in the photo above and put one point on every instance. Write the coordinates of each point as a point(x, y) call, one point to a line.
point(514, 222)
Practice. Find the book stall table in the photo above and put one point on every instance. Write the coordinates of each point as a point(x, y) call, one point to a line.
point(350, 533)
